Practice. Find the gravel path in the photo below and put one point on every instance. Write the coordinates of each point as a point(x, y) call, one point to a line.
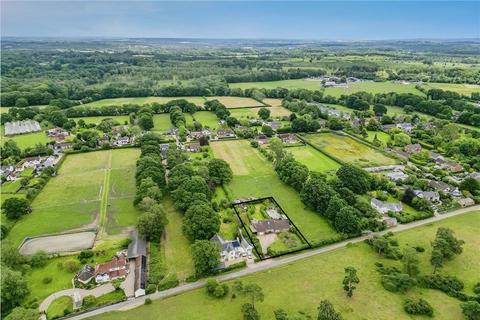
point(59, 243)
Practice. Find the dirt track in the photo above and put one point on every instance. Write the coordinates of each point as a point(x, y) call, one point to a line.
point(59, 243)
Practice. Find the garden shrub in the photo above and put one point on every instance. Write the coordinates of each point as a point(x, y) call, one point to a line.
point(148, 301)
point(170, 281)
point(151, 288)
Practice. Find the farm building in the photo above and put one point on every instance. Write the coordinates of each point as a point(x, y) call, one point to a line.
point(137, 255)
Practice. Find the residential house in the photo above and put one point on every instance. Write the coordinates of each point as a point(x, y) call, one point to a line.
point(384, 207)
point(388, 127)
point(395, 167)
point(405, 126)
point(137, 252)
point(431, 196)
point(58, 133)
point(288, 138)
point(451, 166)
point(397, 176)
point(164, 149)
point(195, 135)
point(444, 187)
point(261, 227)
point(323, 123)
point(62, 146)
point(475, 175)
point(117, 268)
point(48, 162)
point(273, 124)
point(86, 274)
point(193, 147)
point(5, 171)
point(262, 139)
point(466, 202)
point(413, 148)
point(390, 221)
point(231, 250)
point(436, 157)
point(225, 134)
point(121, 141)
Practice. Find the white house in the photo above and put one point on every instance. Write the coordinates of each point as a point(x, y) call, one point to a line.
point(233, 249)
point(384, 207)
point(397, 176)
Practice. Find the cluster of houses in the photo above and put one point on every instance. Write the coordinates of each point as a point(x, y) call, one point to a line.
point(333, 81)
point(383, 208)
point(36, 164)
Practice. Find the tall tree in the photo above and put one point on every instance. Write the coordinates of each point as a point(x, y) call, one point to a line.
point(14, 289)
point(445, 247)
point(410, 262)
point(254, 292)
point(326, 311)
point(350, 280)
point(206, 257)
point(14, 208)
point(264, 113)
point(219, 171)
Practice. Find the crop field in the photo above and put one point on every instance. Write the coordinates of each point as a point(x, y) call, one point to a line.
point(27, 140)
point(349, 150)
point(72, 199)
point(287, 84)
point(97, 120)
point(272, 102)
point(465, 89)
point(142, 100)
point(237, 102)
point(307, 286)
point(207, 119)
point(313, 159)
point(254, 177)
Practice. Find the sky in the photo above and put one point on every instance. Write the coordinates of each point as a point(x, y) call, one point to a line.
point(320, 20)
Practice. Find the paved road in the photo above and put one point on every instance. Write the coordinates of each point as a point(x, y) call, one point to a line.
point(267, 264)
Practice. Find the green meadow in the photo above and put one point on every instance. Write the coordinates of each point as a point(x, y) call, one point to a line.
point(27, 140)
point(313, 159)
point(142, 101)
point(301, 285)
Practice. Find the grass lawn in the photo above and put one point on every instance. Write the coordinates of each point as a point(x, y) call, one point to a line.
point(161, 122)
point(382, 136)
point(237, 102)
point(254, 177)
point(313, 159)
point(57, 307)
point(207, 119)
point(465, 89)
point(97, 120)
point(11, 186)
point(300, 286)
point(142, 100)
point(175, 246)
point(349, 150)
point(27, 140)
point(5, 196)
point(72, 198)
point(4, 109)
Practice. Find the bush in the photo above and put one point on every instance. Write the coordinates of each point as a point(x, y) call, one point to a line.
point(418, 307)
point(47, 280)
point(148, 301)
point(151, 288)
point(442, 283)
point(215, 289)
point(89, 301)
point(397, 282)
point(476, 288)
point(170, 281)
point(419, 249)
point(85, 255)
point(39, 259)
point(71, 265)
point(471, 310)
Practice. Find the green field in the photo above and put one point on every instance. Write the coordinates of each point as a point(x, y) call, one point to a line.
point(465, 89)
point(27, 140)
point(272, 102)
point(207, 119)
point(320, 277)
point(142, 100)
point(237, 102)
point(161, 122)
point(372, 87)
point(253, 112)
point(254, 177)
point(349, 150)
point(97, 120)
point(57, 307)
point(72, 198)
point(313, 159)
point(175, 246)
point(382, 136)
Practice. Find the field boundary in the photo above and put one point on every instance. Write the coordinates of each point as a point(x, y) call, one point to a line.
point(260, 255)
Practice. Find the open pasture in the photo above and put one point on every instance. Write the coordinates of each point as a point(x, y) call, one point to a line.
point(199, 101)
point(254, 177)
point(313, 159)
point(307, 286)
point(462, 88)
point(207, 119)
point(71, 200)
point(96, 120)
point(272, 102)
point(253, 112)
point(237, 102)
point(382, 136)
point(349, 150)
